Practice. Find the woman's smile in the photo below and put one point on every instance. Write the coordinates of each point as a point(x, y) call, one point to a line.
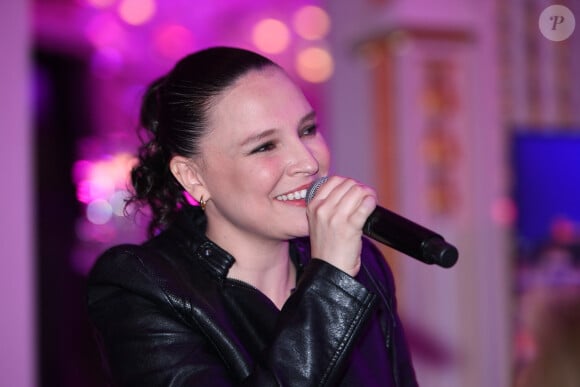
point(296, 196)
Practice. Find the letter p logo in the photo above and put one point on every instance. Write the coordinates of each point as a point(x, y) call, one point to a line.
point(557, 23)
point(557, 20)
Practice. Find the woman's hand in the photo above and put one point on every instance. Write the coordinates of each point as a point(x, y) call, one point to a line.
point(336, 217)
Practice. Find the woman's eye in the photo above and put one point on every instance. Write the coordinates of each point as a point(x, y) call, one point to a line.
point(264, 148)
point(309, 130)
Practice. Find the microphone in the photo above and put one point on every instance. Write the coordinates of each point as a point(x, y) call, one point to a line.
point(402, 234)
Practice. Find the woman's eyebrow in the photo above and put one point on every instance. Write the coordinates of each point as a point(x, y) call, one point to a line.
point(268, 132)
point(258, 137)
point(308, 117)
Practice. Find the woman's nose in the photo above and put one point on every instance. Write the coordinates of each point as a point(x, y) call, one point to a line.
point(302, 160)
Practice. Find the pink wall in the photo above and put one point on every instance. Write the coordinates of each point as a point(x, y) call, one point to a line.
point(16, 263)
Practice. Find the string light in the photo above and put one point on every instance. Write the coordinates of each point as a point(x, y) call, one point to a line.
point(311, 22)
point(314, 64)
point(137, 12)
point(100, 3)
point(271, 36)
point(104, 31)
point(173, 41)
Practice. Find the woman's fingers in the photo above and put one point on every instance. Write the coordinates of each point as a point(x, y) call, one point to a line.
point(336, 218)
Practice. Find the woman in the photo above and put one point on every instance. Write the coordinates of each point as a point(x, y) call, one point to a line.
point(252, 287)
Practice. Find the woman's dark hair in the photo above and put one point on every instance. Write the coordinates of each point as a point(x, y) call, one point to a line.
point(174, 115)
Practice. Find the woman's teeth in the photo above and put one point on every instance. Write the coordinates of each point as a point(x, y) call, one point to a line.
point(293, 195)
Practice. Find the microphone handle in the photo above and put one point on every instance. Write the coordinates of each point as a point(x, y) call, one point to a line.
point(409, 238)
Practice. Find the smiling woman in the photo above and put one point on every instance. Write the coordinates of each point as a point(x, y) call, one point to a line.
point(242, 289)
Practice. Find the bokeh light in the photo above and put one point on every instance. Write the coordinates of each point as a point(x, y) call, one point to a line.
point(173, 41)
point(311, 22)
point(563, 230)
point(84, 191)
point(118, 200)
point(103, 30)
point(137, 12)
point(100, 186)
point(314, 64)
point(504, 211)
point(80, 169)
point(104, 179)
point(271, 36)
point(106, 62)
point(100, 3)
point(99, 211)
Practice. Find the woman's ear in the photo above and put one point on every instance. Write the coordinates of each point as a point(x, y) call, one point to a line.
point(187, 173)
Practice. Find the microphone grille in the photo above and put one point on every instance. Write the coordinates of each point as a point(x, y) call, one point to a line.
point(314, 188)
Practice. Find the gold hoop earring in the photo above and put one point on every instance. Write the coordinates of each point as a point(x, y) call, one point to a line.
point(202, 203)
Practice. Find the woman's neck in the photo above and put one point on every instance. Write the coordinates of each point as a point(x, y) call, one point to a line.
point(264, 264)
point(273, 274)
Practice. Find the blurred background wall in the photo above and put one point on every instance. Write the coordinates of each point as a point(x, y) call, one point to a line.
point(17, 285)
point(464, 115)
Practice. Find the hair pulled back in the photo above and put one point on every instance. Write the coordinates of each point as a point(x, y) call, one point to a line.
point(174, 113)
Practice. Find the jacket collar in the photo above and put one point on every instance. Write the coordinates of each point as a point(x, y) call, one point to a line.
point(191, 224)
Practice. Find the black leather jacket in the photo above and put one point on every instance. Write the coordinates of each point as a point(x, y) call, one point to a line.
point(165, 314)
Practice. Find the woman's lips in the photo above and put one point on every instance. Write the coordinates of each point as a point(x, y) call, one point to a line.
point(295, 197)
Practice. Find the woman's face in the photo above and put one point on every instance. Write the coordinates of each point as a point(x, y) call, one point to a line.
point(261, 149)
